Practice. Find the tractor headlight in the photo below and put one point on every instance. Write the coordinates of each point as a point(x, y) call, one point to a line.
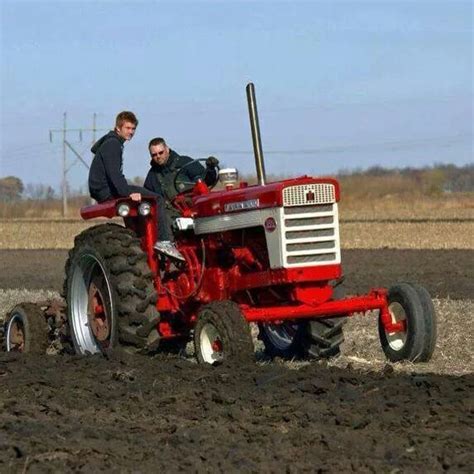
point(123, 210)
point(144, 209)
point(228, 176)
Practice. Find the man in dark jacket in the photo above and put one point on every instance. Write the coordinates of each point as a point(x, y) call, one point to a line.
point(165, 166)
point(106, 179)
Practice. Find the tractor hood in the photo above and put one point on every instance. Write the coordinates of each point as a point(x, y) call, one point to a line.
point(270, 195)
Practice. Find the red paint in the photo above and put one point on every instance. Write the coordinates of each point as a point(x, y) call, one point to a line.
point(269, 195)
point(388, 325)
point(234, 265)
point(217, 346)
point(108, 209)
point(376, 299)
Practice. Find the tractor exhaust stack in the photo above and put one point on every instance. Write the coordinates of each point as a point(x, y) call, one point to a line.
point(254, 126)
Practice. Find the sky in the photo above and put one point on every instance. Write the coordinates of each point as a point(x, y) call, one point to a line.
point(340, 85)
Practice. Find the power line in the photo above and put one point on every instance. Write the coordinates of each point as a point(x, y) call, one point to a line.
point(30, 145)
point(382, 146)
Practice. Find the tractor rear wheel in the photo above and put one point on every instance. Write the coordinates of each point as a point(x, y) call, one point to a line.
point(26, 329)
point(316, 339)
point(222, 334)
point(110, 292)
point(411, 305)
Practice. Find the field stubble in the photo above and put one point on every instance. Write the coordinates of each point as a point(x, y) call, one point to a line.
point(430, 234)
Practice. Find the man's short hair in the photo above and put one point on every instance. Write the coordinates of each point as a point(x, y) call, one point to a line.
point(125, 116)
point(156, 141)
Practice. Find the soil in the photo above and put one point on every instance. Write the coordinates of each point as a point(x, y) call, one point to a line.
point(142, 414)
point(132, 413)
point(445, 273)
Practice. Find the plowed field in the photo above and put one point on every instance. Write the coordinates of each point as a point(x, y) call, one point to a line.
point(140, 414)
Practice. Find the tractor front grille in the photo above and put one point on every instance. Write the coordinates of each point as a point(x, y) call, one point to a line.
point(309, 194)
point(310, 231)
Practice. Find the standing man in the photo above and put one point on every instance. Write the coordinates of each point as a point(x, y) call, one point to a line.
point(106, 179)
point(166, 164)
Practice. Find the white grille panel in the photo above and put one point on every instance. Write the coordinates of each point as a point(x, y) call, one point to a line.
point(315, 260)
point(311, 238)
point(309, 194)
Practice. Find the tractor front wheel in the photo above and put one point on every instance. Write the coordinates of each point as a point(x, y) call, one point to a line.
point(26, 329)
point(222, 334)
point(411, 308)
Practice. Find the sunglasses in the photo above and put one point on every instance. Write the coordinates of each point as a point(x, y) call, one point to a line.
point(159, 153)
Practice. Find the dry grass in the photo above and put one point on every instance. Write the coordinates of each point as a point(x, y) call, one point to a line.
point(58, 234)
point(10, 298)
point(40, 234)
point(45, 208)
point(398, 207)
point(454, 353)
point(408, 235)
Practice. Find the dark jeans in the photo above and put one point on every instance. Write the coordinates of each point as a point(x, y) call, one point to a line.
point(162, 217)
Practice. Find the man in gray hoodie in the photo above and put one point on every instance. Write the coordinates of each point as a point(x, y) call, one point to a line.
point(106, 179)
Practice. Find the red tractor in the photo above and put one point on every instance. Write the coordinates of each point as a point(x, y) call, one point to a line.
point(266, 254)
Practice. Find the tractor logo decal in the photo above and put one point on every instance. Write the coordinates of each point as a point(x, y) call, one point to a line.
point(270, 224)
point(310, 196)
point(242, 205)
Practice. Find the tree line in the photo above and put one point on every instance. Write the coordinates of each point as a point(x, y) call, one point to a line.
point(437, 179)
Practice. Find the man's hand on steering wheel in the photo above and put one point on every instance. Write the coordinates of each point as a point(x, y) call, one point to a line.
point(212, 162)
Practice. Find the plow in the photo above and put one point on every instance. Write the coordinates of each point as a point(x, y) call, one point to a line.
point(267, 254)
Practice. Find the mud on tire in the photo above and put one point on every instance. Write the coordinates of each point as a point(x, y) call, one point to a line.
point(325, 337)
point(108, 259)
point(26, 330)
point(222, 334)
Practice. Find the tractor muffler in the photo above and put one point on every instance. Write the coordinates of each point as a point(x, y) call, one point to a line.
point(254, 126)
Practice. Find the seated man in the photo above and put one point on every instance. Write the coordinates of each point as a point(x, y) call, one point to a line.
point(166, 164)
point(106, 179)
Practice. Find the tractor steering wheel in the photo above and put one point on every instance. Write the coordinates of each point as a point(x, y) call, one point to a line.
point(183, 186)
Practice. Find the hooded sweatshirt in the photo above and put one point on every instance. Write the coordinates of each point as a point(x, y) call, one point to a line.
point(106, 179)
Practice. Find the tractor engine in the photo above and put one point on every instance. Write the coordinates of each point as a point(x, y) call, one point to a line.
point(266, 243)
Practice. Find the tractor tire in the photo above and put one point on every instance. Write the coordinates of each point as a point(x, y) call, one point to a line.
point(316, 339)
point(110, 292)
point(26, 330)
point(325, 338)
point(410, 303)
point(176, 348)
point(222, 334)
point(286, 340)
point(431, 326)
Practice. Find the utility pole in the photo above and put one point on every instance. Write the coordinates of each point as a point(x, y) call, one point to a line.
point(78, 156)
point(94, 119)
point(64, 180)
